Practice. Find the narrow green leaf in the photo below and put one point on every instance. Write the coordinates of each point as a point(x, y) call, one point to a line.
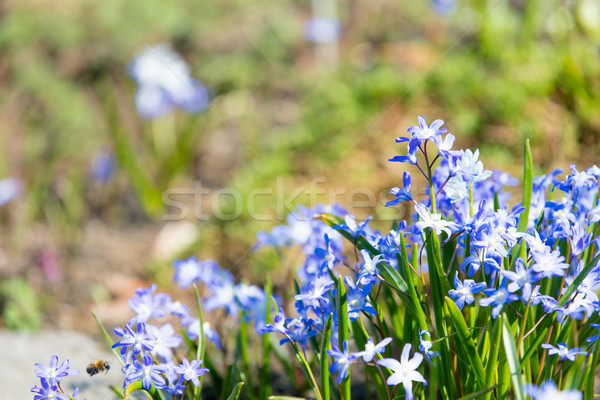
point(411, 288)
point(527, 187)
point(108, 340)
point(477, 395)
point(286, 398)
point(343, 331)
point(201, 341)
point(326, 345)
point(512, 358)
point(236, 391)
point(466, 342)
point(265, 383)
point(492, 361)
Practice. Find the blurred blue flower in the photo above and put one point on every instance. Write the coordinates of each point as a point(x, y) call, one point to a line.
point(9, 189)
point(103, 166)
point(47, 391)
point(563, 352)
point(164, 82)
point(322, 30)
point(549, 391)
point(443, 7)
point(166, 340)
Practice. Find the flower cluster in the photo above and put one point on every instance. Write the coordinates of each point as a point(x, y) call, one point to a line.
point(50, 376)
point(502, 296)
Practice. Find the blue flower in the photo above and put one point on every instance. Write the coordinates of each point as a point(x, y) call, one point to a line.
point(278, 324)
point(356, 298)
point(464, 291)
point(278, 237)
point(9, 189)
point(352, 227)
point(372, 349)
point(548, 390)
point(426, 345)
point(427, 132)
point(548, 263)
point(103, 166)
point(433, 221)
point(369, 272)
point(563, 352)
point(402, 194)
point(497, 298)
point(147, 305)
point(149, 372)
point(138, 339)
point(47, 392)
point(166, 340)
point(164, 82)
point(342, 361)
point(191, 371)
point(521, 278)
point(322, 30)
point(53, 373)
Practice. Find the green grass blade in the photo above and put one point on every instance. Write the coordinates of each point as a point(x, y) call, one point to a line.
point(201, 342)
point(326, 345)
point(343, 331)
point(527, 187)
point(108, 340)
point(492, 361)
point(411, 288)
point(265, 384)
point(235, 393)
point(479, 394)
point(466, 342)
point(512, 358)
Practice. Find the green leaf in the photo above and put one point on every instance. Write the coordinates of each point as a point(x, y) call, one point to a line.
point(411, 288)
point(326, 345)
point(343, 331)
point(477, 395)
point(512, 358)
point(201, 342)
point(492, 361)
point(235, 393)
point(466, 342)
point(527, 187)
point(108, 340)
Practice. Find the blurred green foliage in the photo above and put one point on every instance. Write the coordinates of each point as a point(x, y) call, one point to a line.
point(496, 71)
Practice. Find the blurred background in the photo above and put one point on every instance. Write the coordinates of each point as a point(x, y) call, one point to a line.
point(101, 148)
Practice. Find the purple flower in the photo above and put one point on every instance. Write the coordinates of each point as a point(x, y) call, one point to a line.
point(9, 189)
point(137, 339)
point(405, 370)
point(147, 305)
point(103, 166)
point(47, 392)
point(148, 372)
point(342, 361)
point(464, 291)
point(191, 371)
point(53, 373)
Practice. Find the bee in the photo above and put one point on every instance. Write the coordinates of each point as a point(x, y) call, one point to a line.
point(97, 366)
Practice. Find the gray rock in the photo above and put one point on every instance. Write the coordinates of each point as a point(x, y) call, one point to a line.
point(19, 352)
